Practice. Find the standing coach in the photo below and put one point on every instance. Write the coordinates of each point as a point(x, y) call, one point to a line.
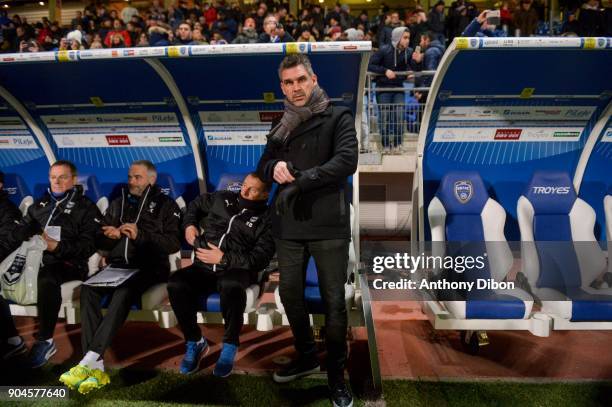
point(310, 153)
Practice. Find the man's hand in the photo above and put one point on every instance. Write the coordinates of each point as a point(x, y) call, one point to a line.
point(390, 74)
point(482, 17)
point(209, 256)
point(417, 57)
point(284, 198)
point(51, 243)
point(282, 175)
point(111, 232)
point(130, 230)
point(191, 232)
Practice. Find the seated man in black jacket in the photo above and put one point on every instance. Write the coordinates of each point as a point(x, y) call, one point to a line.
point(64, 217)
point(235, 244)
point(140, 230)
point(9, 216)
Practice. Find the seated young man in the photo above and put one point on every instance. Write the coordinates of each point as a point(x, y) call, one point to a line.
point(235, 244)
point(140, 230)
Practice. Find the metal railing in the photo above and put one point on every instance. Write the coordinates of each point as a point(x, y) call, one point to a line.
point(392, 115)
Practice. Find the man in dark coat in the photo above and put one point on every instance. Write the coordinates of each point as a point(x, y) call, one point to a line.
point(9, 216)
point(140, 229)
point(64, 217)
point(235, 243)
point(311, 153)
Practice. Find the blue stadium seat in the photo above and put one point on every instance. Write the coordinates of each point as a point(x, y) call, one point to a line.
point(168, 186)
point(93, 191)
point(561, 257)
point(471, 223)
point(18, 191)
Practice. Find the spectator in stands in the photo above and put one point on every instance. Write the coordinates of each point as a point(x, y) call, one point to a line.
point(225, 262)
point(437, 21)
point(11, 344)
point(525, 19)
point(198, 37)
point(386, 31)
point(431, 51)
point(77, 20)
point(480, 28)
point(312, 216)
point(248, 35)
point(346, 20)
point(128, 12)
point(158, 36)
point(29, 46)
point(459, 21)
point(273, 32)
point(364, 20)
point(9, 216)
point(353, 34)
point(505, 15)
point(64, 217)
point(306, 36)
point(591, 19)
point(143, 40)
point(184, 35)
point(140, 229)
point(571, 25)
point(117, 30)
point(225, 25)
point(418, 28)
point(385, 62)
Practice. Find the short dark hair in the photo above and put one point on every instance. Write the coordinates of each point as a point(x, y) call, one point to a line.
point(147, 164)
point(267, 185)
point(293, 60)
point(431, 35)
point(66, 163)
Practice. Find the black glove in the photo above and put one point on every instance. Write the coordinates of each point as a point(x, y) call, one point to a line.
point(284, 198)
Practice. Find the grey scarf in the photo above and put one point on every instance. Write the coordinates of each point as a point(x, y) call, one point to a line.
point(294, 115)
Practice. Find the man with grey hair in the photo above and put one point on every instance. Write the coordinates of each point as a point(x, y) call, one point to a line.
point(140, 229)
point(311, 152)
point(274, 31)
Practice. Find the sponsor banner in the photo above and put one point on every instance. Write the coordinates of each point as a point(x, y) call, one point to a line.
point(97, 120)
point(357, 46)
point(486, 134)
point(134, 139)
point(531, 42)
point(11, 122)
point(236, 135)
point(17, 142)
point(27, 57)
point(249, 116)
point(516, 113)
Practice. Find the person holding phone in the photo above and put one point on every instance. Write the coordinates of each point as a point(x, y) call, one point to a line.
point(485, 25)
point(231, 234)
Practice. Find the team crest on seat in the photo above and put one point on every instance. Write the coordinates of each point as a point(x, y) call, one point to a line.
point(464, 191)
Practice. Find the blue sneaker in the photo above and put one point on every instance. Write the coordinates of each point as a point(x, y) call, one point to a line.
point(41, 353)
point(225, 364)
point(195, 352)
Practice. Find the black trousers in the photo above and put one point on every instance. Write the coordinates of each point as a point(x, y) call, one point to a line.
point(7, 324)
point(98, 332)
point(49, 297)
point(186, 289)
point(331, 258)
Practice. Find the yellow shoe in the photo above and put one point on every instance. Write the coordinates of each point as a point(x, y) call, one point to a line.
point(96, 380)
point(75, 376)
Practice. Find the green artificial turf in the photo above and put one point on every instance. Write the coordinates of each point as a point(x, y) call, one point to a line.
point(166, 388)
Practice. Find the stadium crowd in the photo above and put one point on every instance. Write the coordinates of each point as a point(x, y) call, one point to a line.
point(221, 22)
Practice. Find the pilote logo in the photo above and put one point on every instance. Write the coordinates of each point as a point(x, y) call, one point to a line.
point(508, 134)
point(118, 140)
point(269, 116)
